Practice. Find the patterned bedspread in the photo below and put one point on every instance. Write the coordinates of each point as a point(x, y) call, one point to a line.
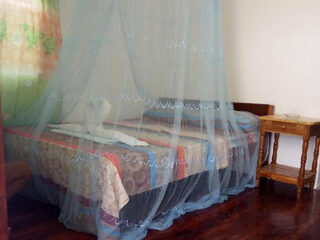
point(123, 170)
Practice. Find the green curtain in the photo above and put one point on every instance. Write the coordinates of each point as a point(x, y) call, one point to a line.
point(30, 38)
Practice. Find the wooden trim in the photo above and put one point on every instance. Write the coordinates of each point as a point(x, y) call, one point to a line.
point(255, 108)
point(3, 198)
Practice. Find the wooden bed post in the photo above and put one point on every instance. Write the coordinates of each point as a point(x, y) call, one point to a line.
point(3, 198)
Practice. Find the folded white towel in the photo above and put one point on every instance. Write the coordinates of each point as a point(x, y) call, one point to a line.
point(73, 127)
point(97, 134)
point(84, 135)
point(97, 112)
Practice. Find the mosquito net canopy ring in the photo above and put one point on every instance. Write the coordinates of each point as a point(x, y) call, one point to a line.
point(133, 127)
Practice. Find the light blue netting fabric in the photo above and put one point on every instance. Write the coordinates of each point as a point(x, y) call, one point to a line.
point(127, 151)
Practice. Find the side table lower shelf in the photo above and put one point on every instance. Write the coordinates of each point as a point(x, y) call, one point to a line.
point(285, 173)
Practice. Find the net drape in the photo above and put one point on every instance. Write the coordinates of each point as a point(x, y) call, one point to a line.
point(127, 152)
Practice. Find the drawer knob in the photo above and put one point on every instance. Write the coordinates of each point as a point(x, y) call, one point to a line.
point(283, 126)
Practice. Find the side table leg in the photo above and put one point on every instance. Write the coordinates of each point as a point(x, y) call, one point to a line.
point(315, 161)
point(275, 148)
point(299, 193)
point(302, 167)
point(262, 138)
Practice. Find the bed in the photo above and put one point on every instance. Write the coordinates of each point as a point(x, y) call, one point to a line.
point(124, 172)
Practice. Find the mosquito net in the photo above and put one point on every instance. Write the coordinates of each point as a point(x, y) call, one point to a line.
point(134, 127)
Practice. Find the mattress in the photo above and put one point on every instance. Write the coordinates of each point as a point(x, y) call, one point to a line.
point(124, 171)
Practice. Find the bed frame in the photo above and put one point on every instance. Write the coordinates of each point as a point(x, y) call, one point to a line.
point(257, 109)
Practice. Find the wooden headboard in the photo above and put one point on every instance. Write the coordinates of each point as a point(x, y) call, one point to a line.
point(255, 108)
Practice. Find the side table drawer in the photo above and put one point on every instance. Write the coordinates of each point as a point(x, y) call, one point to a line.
point(281, 127)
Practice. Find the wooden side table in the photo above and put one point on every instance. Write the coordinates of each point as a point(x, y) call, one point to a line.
point(304, 127)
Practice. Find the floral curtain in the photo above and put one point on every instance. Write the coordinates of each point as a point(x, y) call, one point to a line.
point(30, 38)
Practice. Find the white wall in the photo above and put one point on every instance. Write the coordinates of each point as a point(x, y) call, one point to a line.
point(273, 56)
